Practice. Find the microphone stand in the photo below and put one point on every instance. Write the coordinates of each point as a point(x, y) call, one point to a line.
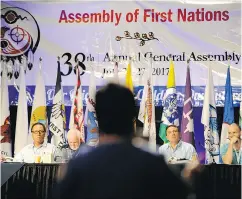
point(212, 157)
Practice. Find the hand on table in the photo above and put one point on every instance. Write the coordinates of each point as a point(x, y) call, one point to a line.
point(2, 159)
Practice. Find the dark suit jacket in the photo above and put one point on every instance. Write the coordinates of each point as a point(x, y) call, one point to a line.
point(120, 171)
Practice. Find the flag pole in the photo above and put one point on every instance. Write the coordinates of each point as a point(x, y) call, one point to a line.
point(229, 60)
point(77, 63)
point(24, 63)
point(40, 63)
point(4, 59)
point(170, 57)
point(188, 62)
point(4, 65)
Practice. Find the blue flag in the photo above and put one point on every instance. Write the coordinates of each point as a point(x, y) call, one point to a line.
point(90, 115)
point(228, 109)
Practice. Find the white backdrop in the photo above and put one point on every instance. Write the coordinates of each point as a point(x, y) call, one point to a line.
point(219, 35)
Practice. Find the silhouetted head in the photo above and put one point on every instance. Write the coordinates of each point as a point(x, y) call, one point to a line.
point(115, 109)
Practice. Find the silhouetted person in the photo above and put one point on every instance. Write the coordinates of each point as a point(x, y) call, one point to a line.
point(117, 169)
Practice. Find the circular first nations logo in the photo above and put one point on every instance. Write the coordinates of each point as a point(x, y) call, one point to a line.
point(20, 34)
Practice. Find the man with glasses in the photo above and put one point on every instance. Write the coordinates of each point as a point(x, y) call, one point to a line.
point(177, 150)
point(32, 153)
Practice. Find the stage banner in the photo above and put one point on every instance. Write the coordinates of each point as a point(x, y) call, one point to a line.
point(95, 35)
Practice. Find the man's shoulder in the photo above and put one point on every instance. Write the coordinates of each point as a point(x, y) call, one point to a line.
point(29, 146)
point(26, 149)
point(187, 145)
point(50, 146)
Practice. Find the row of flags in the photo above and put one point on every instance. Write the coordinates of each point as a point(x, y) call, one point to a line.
point(81, 120)
point(57, 125)
point(78, 119)
point(170, 113)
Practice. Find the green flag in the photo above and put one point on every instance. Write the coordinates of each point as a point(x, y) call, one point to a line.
point(170, 113)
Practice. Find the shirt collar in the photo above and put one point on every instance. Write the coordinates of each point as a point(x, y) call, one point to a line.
point(178, 145)
point(42, 145)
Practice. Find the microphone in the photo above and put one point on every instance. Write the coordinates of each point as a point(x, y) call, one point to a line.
point(65, 146)
point(209, 153)
point(182, 159)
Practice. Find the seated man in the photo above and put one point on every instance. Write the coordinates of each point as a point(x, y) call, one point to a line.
point(230, 153)
point(177, 149)
point(74, 147)
point(29, 153)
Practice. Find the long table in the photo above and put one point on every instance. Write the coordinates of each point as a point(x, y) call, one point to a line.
point(37, 181)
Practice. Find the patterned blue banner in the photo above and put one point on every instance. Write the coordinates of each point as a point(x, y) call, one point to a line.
point(197, 95)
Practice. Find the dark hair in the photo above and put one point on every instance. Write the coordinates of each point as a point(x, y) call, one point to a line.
point(38, 123)
point(172, 125)
point(115, 110)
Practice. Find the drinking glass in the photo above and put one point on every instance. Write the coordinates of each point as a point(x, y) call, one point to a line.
point(65, 155)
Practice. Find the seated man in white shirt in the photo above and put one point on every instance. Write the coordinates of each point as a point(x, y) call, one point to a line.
point(176, 149)
point(34, 151)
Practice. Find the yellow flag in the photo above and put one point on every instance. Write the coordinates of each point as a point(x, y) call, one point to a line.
point(129, 85)
point(171, 76)
point(129, 81)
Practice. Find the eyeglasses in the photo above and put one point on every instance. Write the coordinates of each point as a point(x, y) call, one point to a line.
point(38, 132)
